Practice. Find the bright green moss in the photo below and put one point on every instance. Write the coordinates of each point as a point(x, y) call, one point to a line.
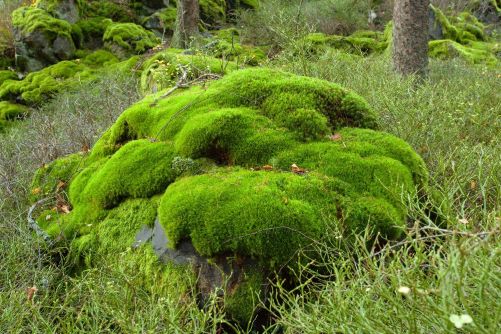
point(226, 45)
point(91, 29)
point(100, 58)
point(478, 53)
point(37, 86)
point(29, 19)
point(140, 169)
point(114, 10)
point(56, 176)
point(241, 304)
point(130, 37)
point(10, 112)
point(267, 216)
point(7, 75)
point(164, 68)
point(361, 43)
point(460, 29)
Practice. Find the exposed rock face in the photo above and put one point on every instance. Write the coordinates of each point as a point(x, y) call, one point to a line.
point(62, 9)
point(435, 27)
point(40, 39)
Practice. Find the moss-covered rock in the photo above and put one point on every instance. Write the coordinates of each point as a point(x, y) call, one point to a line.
point(67, 10)
point(474, 53)
point(128, 38)
point(37, 86)
point(361, 42)
point(40, 39)
point(244, 172)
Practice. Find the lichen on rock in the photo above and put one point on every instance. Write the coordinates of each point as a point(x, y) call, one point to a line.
point(246, 171)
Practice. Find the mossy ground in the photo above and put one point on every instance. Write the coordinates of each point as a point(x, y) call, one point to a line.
point(226, 207)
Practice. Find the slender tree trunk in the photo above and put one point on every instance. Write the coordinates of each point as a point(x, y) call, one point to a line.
point(410, 37)
point(188, 17)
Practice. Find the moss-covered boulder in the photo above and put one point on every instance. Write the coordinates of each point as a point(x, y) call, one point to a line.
point(40, 38)
point(39, 85)
point(127, 39)
point(231, 180)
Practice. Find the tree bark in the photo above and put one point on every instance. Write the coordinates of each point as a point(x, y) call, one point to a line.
point(188, 17)
point(410, 37)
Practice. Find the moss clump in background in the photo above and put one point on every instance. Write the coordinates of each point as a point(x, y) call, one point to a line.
point(350, 179)
point(130, 38)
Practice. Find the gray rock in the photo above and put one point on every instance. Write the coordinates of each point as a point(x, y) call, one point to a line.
point(62, 9)
point(435, 28)
point(215, 275)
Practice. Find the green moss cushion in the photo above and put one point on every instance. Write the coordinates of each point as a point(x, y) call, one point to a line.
point(254, 166)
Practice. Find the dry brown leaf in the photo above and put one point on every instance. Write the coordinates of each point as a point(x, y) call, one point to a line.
point(335, 137)
point(30, 293)
point(298, 170)
point(60, 185)
point(64, 209)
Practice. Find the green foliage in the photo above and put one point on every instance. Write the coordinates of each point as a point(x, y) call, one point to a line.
point(130, 37)
point(361, 42)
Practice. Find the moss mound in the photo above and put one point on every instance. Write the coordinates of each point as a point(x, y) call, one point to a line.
point(251, 167)
point(129, 37)
point(10, 112)
point(164, 69)
point(37, 86)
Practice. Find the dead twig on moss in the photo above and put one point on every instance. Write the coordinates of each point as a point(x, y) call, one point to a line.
point(33, 223)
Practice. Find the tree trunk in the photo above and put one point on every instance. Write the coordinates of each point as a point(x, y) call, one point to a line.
point(410, 37)
point(188, 17)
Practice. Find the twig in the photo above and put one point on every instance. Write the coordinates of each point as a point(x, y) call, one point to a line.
point(33, 223)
